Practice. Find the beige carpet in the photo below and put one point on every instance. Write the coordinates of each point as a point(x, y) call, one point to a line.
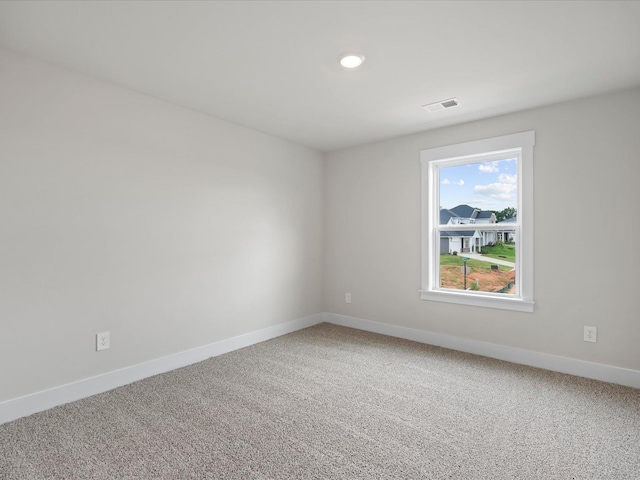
point(331, 402)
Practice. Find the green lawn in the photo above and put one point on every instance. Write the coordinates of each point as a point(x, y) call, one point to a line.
point(501, 252)
point(446, 259)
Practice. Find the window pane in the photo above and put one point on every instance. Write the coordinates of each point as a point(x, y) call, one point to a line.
point(489, 267)
point(476, 193)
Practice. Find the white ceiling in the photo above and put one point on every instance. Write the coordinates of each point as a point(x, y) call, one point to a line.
point(272, 66)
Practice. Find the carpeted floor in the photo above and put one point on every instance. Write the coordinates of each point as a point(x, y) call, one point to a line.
point(331, 402)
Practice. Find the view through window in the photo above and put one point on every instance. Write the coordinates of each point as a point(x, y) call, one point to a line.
point(479, 196)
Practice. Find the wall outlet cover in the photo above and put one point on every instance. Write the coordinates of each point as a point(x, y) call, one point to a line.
point(590, 334)
point(103, 341)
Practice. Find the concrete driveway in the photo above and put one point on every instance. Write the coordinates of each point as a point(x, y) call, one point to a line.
point(495, 261)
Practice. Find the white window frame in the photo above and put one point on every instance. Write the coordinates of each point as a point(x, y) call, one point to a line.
point(518, 145)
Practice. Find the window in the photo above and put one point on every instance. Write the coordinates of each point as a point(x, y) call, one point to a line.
point(477, 223)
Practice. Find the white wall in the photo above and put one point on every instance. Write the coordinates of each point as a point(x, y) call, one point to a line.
point(173, 230)
point(587, 169)
point(120, 212)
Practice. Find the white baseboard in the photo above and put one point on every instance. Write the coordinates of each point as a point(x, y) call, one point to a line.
point(46, 399)
point(580, 368)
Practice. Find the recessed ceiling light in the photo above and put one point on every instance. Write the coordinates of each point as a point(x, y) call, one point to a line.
point(351, 60)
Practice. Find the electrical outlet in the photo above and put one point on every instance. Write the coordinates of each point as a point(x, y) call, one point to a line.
point(347, 297)
point(103, 341)
point(590, 334)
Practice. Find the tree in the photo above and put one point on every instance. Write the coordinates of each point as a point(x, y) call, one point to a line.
point(504, 214)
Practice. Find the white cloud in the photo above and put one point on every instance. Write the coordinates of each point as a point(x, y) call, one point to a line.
point(480, 202)
point(499, 191)
point(446, 181)
point(506, 178)
point(488, 167)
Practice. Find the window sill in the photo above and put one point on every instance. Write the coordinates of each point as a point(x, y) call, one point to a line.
point(466, 298)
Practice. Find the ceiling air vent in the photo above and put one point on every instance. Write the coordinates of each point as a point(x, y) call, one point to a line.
point(435, 107)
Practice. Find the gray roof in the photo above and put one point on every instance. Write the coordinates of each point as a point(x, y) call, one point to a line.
point(458, 233)
point(465, 211)
point(510, 220)
point(462, 211)
point(445, 216)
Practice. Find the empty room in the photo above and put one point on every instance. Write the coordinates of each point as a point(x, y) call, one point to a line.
point(319, 240)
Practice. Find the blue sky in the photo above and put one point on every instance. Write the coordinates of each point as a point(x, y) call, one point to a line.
point(485, 185)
